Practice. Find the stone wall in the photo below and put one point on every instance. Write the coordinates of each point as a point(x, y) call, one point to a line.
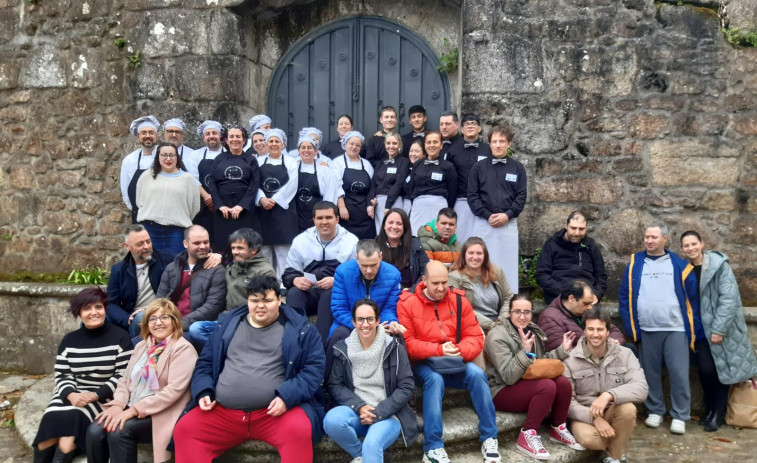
point(631, 109)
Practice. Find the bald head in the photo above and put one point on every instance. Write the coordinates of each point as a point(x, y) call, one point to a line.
point(436, 277)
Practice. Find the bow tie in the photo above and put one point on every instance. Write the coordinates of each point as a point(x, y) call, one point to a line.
point(446, 142)
point(389, 161)
point(496, 161)
point(468, 145)
point(435, 161)
point(419, 134)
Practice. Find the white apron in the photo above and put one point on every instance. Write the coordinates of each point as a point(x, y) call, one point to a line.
point(378, 213)
point(464, 220)
point(502, 243)
point(425, 209)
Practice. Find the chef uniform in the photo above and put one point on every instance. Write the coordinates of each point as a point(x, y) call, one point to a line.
point(181, 149)
point(464, 154)
point(434, 187)
point(315, 182)
point(256, 123)
point(357, 189)
point(199, 164)
point(388, 181)
point(135, 163)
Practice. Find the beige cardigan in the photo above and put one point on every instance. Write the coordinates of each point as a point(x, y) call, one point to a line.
point(175, 366)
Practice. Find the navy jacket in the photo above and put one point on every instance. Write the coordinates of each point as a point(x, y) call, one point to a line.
point(122, 285)
point(304, 363)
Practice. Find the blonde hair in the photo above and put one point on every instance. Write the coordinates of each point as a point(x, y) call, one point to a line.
point(169, 309)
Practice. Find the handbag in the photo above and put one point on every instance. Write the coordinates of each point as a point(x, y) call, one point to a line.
point(445, 364)
point(544, 368)
point(742, 405)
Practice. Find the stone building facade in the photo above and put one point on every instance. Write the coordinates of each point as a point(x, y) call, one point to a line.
point(631, 109)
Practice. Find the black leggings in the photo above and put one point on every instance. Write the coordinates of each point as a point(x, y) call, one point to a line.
point(119, 446)
point(715, 392)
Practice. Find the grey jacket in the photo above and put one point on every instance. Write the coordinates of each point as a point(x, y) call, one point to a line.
point(462, 281)
point(620, 374)
point(207, 291)
point(507, 359)
point(721, 312)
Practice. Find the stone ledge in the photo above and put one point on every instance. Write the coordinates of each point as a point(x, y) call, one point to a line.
point(39, 289)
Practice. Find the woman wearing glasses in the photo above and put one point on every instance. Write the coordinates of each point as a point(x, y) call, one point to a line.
point(512, 346)
point(167, 200)
point(151, 394)
point(371, 382)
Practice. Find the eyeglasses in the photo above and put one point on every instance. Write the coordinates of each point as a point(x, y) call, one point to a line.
point(168, 156)
point(521, 313)
point(174, 132)
point(163, 319)
point(362, 320)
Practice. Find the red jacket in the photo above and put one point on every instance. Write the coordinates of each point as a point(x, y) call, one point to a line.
point(424, 337)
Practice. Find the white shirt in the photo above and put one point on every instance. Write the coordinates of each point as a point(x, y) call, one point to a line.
point(129, 167)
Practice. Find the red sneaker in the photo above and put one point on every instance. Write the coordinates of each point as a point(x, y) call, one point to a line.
point(561, 435)
point(529, 443)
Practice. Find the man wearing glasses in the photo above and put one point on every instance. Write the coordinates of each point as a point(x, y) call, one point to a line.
point(173, 133)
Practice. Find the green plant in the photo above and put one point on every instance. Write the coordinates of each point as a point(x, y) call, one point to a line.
point(450, 59)
point(527, 273)
point(119, 43)
point(87, 276)
point(7, 236)
point(739, 38)
point(136, 59)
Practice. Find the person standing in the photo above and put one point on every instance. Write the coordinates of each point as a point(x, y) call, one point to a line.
point(375, 151)
point(198, 164)
point(316, 182)
point(173, 133)
point(355, 207)
point(434, 184)
point(416, 115)
point(659, 305)
point(333, 149)
point(257, 122)
point(415, 152)
point(389, 178)
point(146, 130)
point(449, 127)
point(497, 189)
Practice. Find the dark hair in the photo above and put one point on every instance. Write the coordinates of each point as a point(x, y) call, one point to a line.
point(597, 314)
point(449, 113)
point(416, 108)
point(367, 247)
point(418, 142)
point(253, 239)
point(690, 233)
point(349, 118)
point(520, 297)
point(323, 205)
point(447, 212)
point(488, 273)
point(261, 284)
point(134, 228)
point(225, 133)
point(402, 258)
point(368, 302)
point(191, 228)
point(576, 288)
point(471, 117)
point(156, 162)
point(503, 129)
point(86, 297)
point(576, 215)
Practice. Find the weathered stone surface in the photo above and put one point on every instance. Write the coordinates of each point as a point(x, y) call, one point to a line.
point(503, 63)
point(646, 126)
point(216, 78)
point(669, 169)
point(745, 230)
point(623, 231)
point(8, 21)
point(44, 69)
point(589, 190)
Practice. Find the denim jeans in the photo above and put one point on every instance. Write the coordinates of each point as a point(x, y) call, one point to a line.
point(199, 332)
point(342, 424)
point(166, 238)
point(134, 326)
point(475, 381)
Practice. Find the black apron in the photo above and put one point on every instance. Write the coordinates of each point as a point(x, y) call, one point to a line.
point(232, 189)
point(308, 193)
point(356, 185)
point(205, 216)
point(279, 225)
point(132, 189)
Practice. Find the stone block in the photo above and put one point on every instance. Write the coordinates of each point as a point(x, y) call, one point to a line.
point(628, 165)
point(217, 78)
point(169, 33)
point(62, 223)
point(538, 222)
point(8, 21)
point(676, 167)
point(13, 113)
point(44, 68)
point(698, 124)
point(648, 126)
point(503, 63)
point(746, 125)
point(719, 201)
point(84, 67)
point(594, 190)
point(744, 230)
point(150, 81)
point(8, 210)
point(623, 230)
point(88, 9)
point(226, 36)
point(21, 177)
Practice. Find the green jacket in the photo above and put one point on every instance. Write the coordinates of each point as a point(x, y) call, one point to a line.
point(239, 274)
point(435, 248)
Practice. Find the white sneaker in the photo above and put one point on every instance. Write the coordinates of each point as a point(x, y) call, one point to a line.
point(653, 421)
point(490, 451)
point(357, 460)
point(436, 456)
point(678, 426)
point(610, 460)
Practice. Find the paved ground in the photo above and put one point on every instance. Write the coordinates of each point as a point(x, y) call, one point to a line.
point(729, 445)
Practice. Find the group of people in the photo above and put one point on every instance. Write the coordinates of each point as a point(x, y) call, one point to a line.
point(427, 306)
point(245, 178)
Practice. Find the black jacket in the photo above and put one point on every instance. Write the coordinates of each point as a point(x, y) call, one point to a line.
point(561, 262)
point(398, 382)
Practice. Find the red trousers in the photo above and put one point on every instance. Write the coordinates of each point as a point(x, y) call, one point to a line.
point(202, 436)
point(536, 397)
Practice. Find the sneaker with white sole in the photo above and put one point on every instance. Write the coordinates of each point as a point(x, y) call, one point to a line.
point(678, 426)
point(436, 456)
point(357, 460)
point(653, 421)
point(529, 443)
point(490, 451)
point(610, 460)
point(561, 435)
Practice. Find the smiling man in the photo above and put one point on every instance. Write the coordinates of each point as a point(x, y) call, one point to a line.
point(145, 129)
point(270, 345)
point(569, 254)
point(375, 151)
point(198, 164)
point(173, 133)
point(606, 380)
point(416, 115)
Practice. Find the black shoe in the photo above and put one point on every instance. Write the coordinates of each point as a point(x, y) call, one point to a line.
point(61, 457)
point(44, 456)
point(715, 422)
point(707, 417)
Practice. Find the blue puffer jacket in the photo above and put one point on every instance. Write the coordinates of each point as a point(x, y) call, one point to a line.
point(685, 287)
point(304, 363)
point(349, 288)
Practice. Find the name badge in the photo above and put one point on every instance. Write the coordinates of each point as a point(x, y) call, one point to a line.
point(391, 170)
point(407, 180)
point(481, 158)
point(511, 177)
point(438, 176)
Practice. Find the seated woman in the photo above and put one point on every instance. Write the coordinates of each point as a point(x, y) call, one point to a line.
point(151, 395)
point(484, 283)
point(371, 382)
point(400, 248)
point(168, 200)
point(89, 364)
point(389, 178)
point(511, 347)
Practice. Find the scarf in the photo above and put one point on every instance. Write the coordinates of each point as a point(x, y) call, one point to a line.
point(368, 367)
point(144, 376)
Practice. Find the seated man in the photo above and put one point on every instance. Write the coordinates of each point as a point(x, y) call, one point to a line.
point(439, 239)
point(603, 410)
point(248, 262)
point(199, 293)
point(430, 317)
point(317, 252)
point(272, 346)
point(564, 314)
point(570, 254)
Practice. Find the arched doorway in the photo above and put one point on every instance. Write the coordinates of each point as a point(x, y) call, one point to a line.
point(355, 66)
